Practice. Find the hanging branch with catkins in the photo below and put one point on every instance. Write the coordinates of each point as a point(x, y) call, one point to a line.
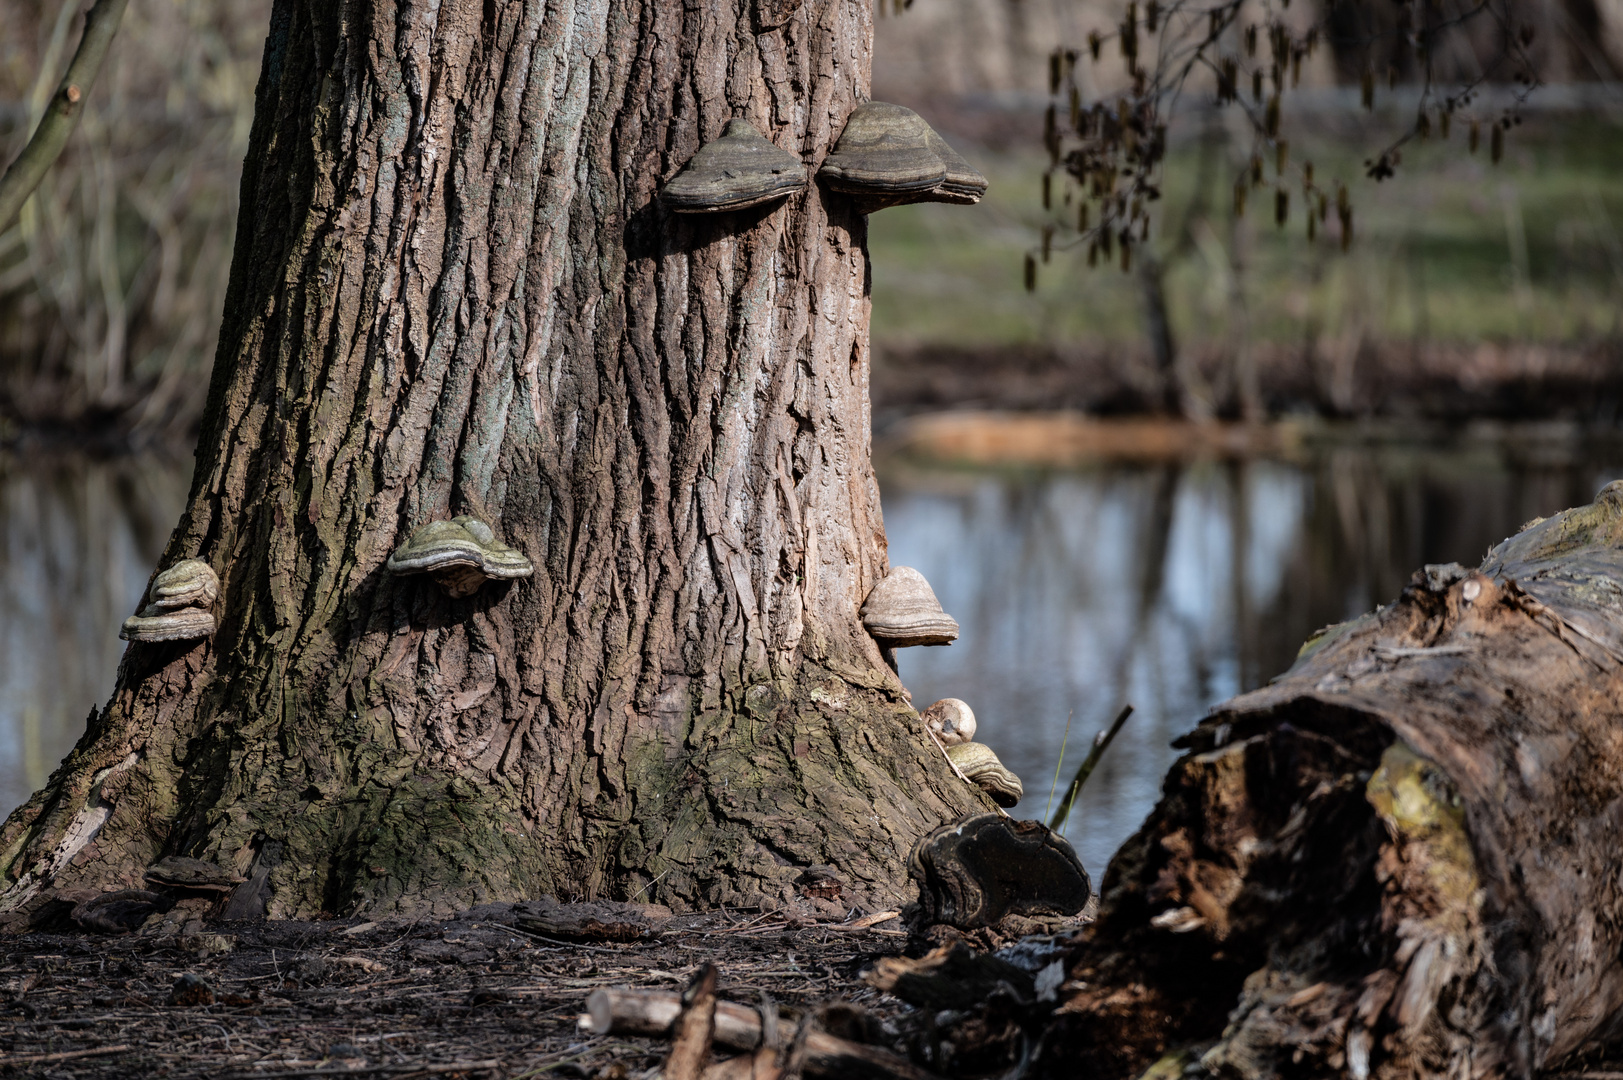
point(1106, 157)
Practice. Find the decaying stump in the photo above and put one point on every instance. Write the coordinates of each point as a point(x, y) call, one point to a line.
point(1398, 860)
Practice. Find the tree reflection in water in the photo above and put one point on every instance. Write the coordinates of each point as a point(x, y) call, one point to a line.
point(1174, 587)
point(78, 540)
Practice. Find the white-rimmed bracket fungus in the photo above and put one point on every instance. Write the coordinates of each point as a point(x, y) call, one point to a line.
point(181, 599)
point(952, 720)
point(739, 170)
point(461, 555)
point(977, 762)
point(902, 610)
point(887, 155)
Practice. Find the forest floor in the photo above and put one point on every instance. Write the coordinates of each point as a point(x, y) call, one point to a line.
point(473, 996)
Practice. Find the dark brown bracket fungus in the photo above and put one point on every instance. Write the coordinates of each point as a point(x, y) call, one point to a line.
point(988, 867)
point(952, 721)
point(902, 610)
point(739, 170)
point(461, 555)
point(983, 769)
point(963, 185)
point(887, 156)
point(181, 597)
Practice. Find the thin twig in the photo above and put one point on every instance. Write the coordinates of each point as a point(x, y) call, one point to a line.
point(1060, 764)
point(62, 1055)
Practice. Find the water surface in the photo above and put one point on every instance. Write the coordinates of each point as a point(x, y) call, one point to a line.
point(1172, 587)
point(79, 538)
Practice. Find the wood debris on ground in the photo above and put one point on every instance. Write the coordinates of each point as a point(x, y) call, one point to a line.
point(477, 995)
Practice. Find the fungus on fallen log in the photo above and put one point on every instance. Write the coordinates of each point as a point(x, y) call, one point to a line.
point(1398, 859)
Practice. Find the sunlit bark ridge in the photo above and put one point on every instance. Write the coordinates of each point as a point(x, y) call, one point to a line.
point(455, 292)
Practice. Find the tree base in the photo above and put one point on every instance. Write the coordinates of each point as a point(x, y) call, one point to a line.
point(746, 797)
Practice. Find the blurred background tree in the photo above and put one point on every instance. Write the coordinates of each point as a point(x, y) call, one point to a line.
point(1474, 289)
point(112, 281)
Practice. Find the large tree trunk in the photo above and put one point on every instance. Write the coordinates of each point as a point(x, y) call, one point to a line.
point(1400, 859)
point(454, 291)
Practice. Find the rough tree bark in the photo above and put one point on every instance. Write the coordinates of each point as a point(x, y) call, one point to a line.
point(454, 291)
point(1399, 860)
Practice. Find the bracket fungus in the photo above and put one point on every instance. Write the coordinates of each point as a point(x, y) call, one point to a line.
point(461, 555)
point(741, 169)
point(887, 155)
point(181, 597)
point(952, 720)
point(984, 770)
point(902, 610)
point(979, 871)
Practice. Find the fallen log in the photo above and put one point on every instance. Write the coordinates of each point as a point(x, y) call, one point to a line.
point(1399, 859)
point(655, 1013)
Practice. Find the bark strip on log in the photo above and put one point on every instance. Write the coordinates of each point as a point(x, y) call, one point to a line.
point(695, 1028)
point(1399, 859)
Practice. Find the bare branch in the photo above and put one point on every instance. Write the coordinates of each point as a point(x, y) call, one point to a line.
point(62, 115)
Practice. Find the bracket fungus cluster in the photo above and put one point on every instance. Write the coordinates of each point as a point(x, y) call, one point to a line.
point(953, 722)
point(887, 156)
point(180, 609)
point(739, 170)
point(902, 610)
point(461, 555)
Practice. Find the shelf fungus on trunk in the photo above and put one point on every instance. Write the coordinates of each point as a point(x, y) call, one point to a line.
point(461, 555)
point(887, 156)
point(179, 609)
point(739, 170)
point(952, 720)
point(978, 762)
point(983, 870)
point(902, 610)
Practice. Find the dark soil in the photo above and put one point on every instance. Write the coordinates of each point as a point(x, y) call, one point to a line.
point(473, 996)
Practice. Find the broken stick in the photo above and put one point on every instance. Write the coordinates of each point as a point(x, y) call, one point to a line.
point(694, 1028)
